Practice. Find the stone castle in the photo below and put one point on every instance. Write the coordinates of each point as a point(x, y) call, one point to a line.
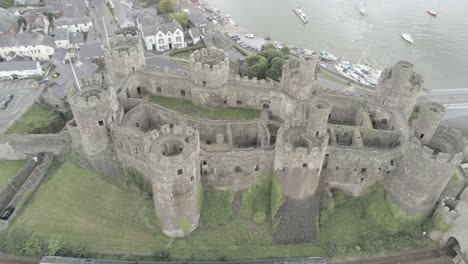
point(310, 137)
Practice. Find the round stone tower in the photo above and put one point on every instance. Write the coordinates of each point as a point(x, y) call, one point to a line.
point(399, 87)
point(125, 56)
point(210, 67)
point(299, 78)
point(425, 169)
point(297, 166)
point(318, 118)
point(173, 153)
point(94, 110)
point(430, 115)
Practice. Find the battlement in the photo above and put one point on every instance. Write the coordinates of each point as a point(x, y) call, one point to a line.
point(430, 115)
point(210, 67)
point(261, 84)
point(438, 150)
point(171, 143)
point(124, 40)
point(93, 97)
point(299, 77)
point(295, 142)
point(445, 213)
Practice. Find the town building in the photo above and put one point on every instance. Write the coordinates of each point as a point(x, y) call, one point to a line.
point(159, 32)
point(20, 69)
point(33, 45)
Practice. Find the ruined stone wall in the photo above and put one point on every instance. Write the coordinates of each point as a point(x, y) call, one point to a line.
point(210, 67)
point(458, 220)
point(399, 87)
point(8, 191)
point(299, 78)
point(236, 169)
point(422, 173)
point(125, 57)
point(430, 115)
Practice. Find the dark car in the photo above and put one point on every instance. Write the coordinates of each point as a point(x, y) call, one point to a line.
point(7, 213)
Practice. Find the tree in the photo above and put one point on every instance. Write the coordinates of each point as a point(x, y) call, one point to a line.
point(165, 6)
point(286, 51)
point(182, 18)
point(270, 54)
point(276, 68)
point(257, 66)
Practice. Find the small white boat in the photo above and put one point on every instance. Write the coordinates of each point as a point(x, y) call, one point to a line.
point(250, 36)
point(432, 12)
point(302, 16)
point(325, 55)
point(407, 37)
point(363, 11)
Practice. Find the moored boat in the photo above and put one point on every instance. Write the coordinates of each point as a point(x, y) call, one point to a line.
point(407, 37)
point(363, 11)
point(432, 12)
point(302, 16)
point(325, 55)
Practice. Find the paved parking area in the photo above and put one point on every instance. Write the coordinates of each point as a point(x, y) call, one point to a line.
point(23, 92)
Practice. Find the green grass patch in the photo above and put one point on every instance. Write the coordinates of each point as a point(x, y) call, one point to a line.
point(39, 119)
point(217, 210)
point(189, 109)
point(256, 198)
point(8, 169)
point(440, 224)
point(414, 113)
point(6, 3)
point(81, 207)
point(333, 78)
point(369, 224)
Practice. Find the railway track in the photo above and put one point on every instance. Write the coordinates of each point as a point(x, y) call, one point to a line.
point(409, 258)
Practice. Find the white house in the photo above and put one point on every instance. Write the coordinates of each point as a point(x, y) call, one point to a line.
point(33, 45)
point(19, 69)
point(78, 24)
point(160, 33)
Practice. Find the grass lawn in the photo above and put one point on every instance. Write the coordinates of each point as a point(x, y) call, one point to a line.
point(79, 207)
point(8, 169)
point(189, 109)
point(39, 118)
point(332, 78)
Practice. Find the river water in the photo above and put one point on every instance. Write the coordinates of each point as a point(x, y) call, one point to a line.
point(440, 52)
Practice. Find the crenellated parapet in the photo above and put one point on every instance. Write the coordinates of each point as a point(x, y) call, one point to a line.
point(173, 158)
point(425, 169)
point(94, 109)
point(399, 87)
point(125, 56)
point(300, 77)
point(210, 67)
point(261, 84)
point(430, 115)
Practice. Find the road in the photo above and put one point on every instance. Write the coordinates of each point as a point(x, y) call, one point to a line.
point(161, 60)
point(23, 91)
point(101, 13)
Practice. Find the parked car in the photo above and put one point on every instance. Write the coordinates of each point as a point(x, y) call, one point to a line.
point(45, 80)
point(7, 213)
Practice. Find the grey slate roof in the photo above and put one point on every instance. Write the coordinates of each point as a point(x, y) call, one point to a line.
point(59, 55)
point(76, 38)
point(66, 21)
point(60, 34)
point(8, 23)
point(122, 13)
point(73, 8)
point(196, 32)
point(198, 18)
point(35, 20)
point(82, 69)
point(151, 23)
point(91, 50)
point(18, 65)
point(26, 39)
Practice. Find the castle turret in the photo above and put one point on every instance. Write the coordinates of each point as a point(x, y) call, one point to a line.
point(298, 163)
point(173, 153)
point(425, 169)
point(94, 110)
point(210, 67)
point(318, 118)
point(125, 56)
point(430, 115)
point(299, 78)
point(399, 87)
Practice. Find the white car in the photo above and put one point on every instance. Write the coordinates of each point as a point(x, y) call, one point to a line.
point(250, 36)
